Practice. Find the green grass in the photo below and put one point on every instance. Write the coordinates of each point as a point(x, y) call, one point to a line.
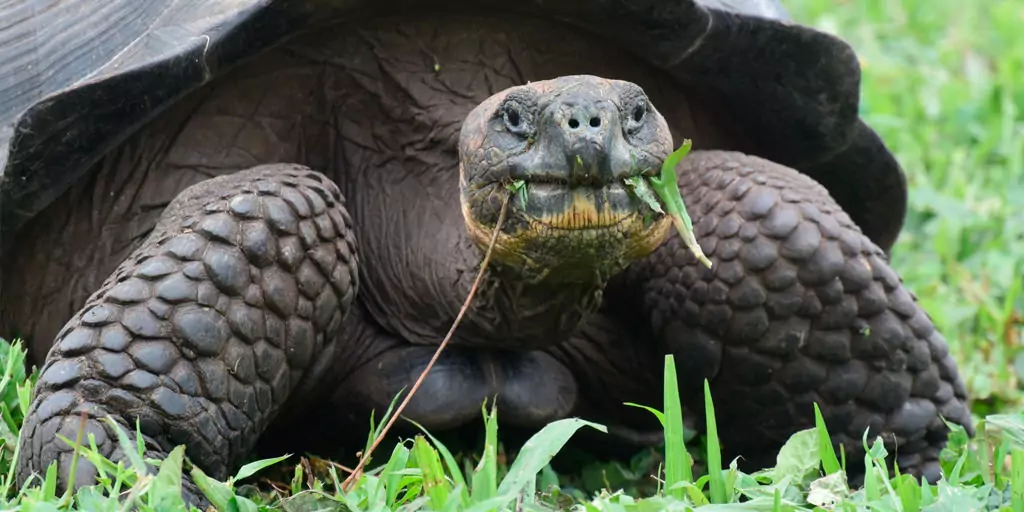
point(942, 83)
point(422, 474)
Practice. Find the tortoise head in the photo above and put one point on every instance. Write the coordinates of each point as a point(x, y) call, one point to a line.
point(565, 149)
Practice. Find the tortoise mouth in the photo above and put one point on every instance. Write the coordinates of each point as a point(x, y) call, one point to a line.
point(558, 206)
point(553, 228)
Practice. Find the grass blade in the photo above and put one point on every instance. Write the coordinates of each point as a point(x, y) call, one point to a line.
point(254, 467)
point(1017, 478)
point(485, 477)
point(826, 451)
point(392, 480)
point(715, 478)
point(218, 493)
point(658, 414)
point(677, 460)
point(538, 452)
point(165, 494)
point(909, 493)
point(434, 482)
point(133, 453)
point(449, 460)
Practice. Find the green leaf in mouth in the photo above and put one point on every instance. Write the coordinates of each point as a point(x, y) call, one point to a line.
point(667, 189)
point(518, 187)
point(644, 192)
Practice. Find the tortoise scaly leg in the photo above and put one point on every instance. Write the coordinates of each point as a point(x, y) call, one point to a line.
point(207, 329)
point(799, 307)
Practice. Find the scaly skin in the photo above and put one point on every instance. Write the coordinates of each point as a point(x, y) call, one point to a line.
point(799, 307)
point(205, 331)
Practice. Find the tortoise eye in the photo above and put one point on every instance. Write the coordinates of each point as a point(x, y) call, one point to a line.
point(636, 115)
point(517, 118)
point(639, 112)
point(512, 117)
point(634, 108)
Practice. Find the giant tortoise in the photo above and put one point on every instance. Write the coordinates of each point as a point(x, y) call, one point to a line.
point(241, 221)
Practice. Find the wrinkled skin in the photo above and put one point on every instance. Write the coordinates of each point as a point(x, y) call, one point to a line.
point(267, 263)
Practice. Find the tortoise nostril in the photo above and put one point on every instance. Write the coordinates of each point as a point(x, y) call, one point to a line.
point(595, 122)
point(573, 123)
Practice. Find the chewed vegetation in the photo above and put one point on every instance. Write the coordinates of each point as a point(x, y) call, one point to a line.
point(943, 83)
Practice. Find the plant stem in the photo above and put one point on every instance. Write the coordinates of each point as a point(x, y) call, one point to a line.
point(354, 476)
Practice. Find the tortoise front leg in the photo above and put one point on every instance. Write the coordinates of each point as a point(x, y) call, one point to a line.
point(206, 330)
point(798, 308)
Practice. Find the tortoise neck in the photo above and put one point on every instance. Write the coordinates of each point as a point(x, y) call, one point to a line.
point(516, 311)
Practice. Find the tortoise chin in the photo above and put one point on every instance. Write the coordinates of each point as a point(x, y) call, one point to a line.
point(566, 150)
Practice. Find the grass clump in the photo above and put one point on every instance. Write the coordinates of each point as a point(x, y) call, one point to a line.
point(422, 474)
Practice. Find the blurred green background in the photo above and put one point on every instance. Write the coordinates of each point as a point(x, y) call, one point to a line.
point(943, 83)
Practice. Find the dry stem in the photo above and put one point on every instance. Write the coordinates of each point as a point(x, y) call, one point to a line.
point(354, 476)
